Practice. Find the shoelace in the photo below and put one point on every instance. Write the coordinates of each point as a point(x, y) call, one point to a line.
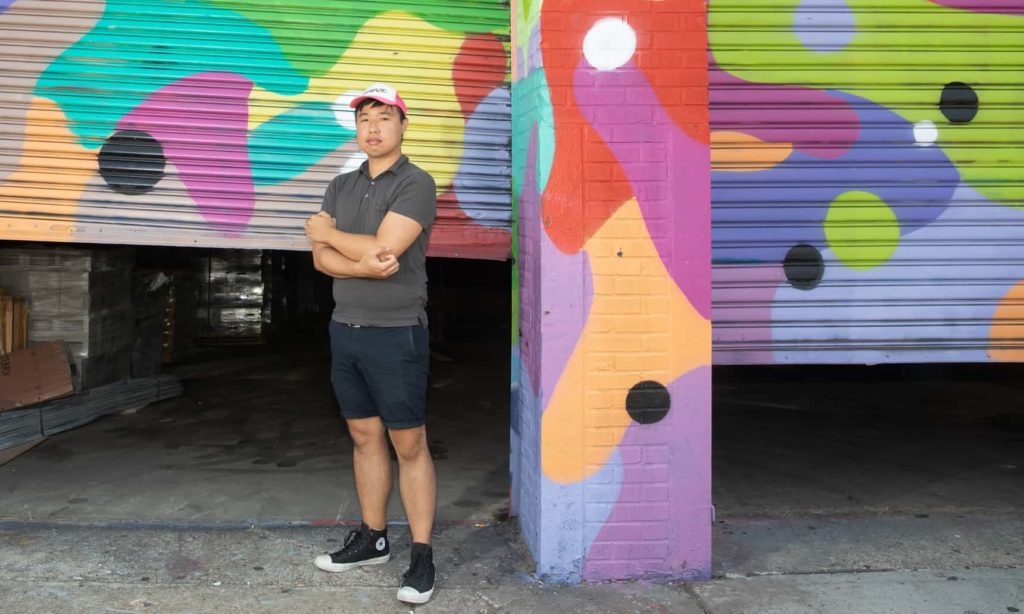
point(420, 560)
point(351, 538)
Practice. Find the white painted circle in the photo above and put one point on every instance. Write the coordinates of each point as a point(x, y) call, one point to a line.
point(344, 115)
point(609, 43)
point(353, 163)
point(925, 133)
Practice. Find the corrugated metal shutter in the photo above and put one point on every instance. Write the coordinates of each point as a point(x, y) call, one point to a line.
point(219, 122)
point(868, 180)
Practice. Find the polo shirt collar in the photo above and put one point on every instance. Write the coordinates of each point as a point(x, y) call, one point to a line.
point(402, 160)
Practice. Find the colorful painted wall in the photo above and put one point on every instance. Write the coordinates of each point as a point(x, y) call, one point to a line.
point(868, 180)
point(219, 122)
point(611, 423)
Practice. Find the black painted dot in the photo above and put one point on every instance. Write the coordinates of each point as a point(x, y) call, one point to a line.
point(804, 266)
point(648, 402)
point(132, 162)
point(959, 102)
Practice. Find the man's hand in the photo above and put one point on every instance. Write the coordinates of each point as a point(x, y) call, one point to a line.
point(319, 227)
point(379, 263)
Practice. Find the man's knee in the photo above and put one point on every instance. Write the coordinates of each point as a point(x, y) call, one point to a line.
point(409, 444)
point(366, 432)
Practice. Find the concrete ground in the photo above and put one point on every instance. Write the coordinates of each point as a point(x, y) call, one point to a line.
point(850, 489)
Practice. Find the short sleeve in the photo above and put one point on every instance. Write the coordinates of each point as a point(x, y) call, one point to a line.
point(327, 204)
point(416, 198)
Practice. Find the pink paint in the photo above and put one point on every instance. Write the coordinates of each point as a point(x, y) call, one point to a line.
point(668, 171)
point(1003, 7)
point(745, 293)
point(202, 123)
point(814, 121)
point(675, 530)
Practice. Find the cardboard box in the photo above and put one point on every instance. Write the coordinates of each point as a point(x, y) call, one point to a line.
point(35, 374)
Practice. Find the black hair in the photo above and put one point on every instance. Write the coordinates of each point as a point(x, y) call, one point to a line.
point(373, 102)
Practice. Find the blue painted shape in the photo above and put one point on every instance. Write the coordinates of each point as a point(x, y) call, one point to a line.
point(292, 142)
point(486, 185)
point(130, 54)
point(758, 216)
point(824, 26)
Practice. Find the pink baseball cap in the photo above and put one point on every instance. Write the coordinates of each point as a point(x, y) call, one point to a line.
point(381, 92)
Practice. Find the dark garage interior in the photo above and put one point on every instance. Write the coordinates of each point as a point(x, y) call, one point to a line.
point(923, 461)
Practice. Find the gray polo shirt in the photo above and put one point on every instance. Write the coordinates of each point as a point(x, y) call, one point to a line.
point(359, 203)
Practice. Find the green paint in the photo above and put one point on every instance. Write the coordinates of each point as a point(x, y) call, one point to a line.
point(137, 48)
point(293, 141)
point(315, 33)
point(862, 230)
point(531, 105)
point(901, 57)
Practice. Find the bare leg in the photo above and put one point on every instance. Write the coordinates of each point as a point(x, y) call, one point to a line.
point(416, 480)
point(371, 463)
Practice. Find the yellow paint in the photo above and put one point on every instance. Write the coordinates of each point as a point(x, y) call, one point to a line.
point(50, 178)
point(587, 399)
point(418, 63)
point(739, 151)
point(1006, 337)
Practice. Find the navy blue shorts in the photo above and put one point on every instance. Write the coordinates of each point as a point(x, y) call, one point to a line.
point(381, 371)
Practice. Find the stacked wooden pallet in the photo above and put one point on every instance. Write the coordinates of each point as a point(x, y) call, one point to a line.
point(13, 322)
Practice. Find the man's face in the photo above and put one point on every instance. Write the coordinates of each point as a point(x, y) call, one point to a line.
point(379, 130)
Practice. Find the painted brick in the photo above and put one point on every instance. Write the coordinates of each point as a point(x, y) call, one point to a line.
point(642, 362)
point(657, 343)
point(620, 305)
point(614, 342)
point(656, 454)
point(631, 455)
point(655, 305)
point(601, 493)
point(656, 493)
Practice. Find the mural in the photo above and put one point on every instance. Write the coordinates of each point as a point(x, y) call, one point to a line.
point(611, 179)
point(866, 206)
point(867, 194)
point(219, 122)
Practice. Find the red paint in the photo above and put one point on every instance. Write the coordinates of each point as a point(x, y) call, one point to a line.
point(456, 235)
point(479, 68)
point(671, 52)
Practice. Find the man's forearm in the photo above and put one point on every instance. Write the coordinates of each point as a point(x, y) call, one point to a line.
point(350, 245)
point(331, 262)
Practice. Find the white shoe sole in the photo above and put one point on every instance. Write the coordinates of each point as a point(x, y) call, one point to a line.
point(410, 595)
point(325, 563)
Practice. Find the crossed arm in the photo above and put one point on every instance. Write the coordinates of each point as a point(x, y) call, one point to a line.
point(342, 254)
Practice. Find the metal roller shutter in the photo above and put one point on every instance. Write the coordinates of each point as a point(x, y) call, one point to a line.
point(219, 122)
point(868, 180)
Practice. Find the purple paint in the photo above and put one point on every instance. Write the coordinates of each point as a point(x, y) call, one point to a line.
point(5, 4)
point(677, 218)
point(661, 525)
point(1003, 7)
point(759, 215)
point(744, 293)
point(529, 269)
point(815, 121)
point(202, 123)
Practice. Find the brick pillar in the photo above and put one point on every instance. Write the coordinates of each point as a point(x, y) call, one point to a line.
point(611, 416)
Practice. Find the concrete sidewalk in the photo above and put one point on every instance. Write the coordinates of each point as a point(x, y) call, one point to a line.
point(482, 568)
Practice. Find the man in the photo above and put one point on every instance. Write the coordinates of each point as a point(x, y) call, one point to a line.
point(371, 237)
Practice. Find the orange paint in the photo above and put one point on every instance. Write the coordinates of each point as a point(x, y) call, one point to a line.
point(591, 393)
point(738, 151)
point(41, 185)
point(1006, 336)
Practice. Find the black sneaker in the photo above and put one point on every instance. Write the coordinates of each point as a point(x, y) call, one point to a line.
point(363, 546)
point(418, 581)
